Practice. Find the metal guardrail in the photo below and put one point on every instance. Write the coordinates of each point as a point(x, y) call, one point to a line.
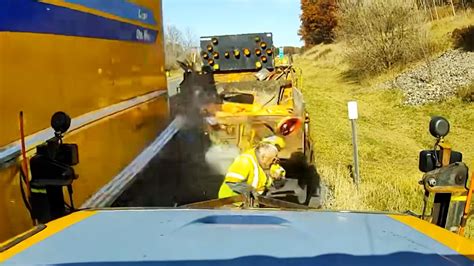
point(110, 192)
point(12, 150)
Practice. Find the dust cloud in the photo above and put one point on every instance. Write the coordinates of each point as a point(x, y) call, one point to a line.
point(220, 157)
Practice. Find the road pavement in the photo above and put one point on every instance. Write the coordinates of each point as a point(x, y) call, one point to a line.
point(178, 174)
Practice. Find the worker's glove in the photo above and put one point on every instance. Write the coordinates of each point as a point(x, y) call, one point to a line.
point(277, 172)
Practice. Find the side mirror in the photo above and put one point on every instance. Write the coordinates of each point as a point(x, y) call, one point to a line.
point(439, 127)
point(51, 171)
point(429, 160)
point(60, 122)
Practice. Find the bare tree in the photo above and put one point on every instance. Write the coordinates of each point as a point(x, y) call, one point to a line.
point(173, 35)
point(191, 45)
point(190, 40)
point(179, 46)
point(173, 46)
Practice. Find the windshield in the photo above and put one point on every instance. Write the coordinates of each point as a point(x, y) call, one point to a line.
point(288, 105)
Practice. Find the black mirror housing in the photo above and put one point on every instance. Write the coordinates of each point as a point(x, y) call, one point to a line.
point(439, 127)
point(427, 159)
point(60, 122)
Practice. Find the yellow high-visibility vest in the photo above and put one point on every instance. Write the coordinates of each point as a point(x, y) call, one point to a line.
point(245, 168)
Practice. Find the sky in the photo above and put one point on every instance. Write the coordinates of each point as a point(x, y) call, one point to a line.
point(220, 17)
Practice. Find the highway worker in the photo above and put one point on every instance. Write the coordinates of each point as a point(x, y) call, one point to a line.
point(247, 174)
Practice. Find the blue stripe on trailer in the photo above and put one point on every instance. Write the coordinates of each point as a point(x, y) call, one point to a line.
point(35, 17)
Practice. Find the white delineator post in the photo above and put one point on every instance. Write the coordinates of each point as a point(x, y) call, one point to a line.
point(353, 116)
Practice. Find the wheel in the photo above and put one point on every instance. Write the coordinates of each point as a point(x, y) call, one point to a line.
point(313, 185)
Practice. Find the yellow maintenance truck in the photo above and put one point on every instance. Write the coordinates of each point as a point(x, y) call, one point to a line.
point(242, 96)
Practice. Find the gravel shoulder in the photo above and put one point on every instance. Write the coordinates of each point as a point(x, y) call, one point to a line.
point(436, 81)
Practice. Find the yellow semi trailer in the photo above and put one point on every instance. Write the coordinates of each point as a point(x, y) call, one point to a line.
point(102, 62)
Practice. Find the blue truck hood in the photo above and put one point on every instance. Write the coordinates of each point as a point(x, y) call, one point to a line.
point(241, 237)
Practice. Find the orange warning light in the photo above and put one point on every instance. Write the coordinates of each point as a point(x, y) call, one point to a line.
point(236, 53)
point(247, 52)
point(289, 125)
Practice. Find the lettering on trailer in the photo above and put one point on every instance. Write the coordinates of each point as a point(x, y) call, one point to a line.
point(121, 8)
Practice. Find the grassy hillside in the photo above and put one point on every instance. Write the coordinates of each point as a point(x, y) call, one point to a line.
point(390, 134)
